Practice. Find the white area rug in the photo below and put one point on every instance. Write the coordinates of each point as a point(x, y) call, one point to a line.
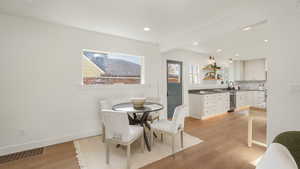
point(91, 152)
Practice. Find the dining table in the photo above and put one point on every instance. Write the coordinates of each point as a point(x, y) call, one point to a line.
point(139, 116)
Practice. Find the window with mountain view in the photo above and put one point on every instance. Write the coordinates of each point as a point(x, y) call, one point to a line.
point(111, 68)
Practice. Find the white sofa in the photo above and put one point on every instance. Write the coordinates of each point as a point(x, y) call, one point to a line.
point(277, 156)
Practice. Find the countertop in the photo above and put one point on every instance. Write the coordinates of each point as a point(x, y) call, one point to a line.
point(251, 90)
point(219, 90)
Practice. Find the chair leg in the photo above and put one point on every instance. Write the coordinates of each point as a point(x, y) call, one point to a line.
point(173, 146)
point(107, 153)
point(162, 137)
point(103, 135)
point(128, 156)
point(181, 138)
point(142, 143)
point(250, 132)
point(151, 137)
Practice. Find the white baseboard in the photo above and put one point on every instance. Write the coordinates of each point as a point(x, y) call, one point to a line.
point(46, 142)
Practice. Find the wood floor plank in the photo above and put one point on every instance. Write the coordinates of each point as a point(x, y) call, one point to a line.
point(60, 156)
point(224, 147)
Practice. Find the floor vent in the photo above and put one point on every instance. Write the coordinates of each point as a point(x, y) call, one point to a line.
point(21, 155)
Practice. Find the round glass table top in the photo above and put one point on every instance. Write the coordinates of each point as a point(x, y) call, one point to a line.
point(128, 107)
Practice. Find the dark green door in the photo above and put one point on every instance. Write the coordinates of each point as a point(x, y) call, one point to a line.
point(174, 84)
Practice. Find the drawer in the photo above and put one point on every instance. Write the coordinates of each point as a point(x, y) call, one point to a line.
point(209, 103)
point(210, 110)
point(210, 96)
point(209, 107)
point(206, 112)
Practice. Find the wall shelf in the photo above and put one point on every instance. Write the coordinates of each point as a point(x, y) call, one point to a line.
point(211, 79)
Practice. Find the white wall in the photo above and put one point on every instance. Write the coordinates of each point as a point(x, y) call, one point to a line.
point(284, 69)
point(189, 57)
point(42, 101)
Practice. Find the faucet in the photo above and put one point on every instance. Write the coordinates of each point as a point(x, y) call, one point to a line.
point(230, 85)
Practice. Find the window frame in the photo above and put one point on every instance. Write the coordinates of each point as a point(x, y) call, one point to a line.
point(195, 74)
point(142, 74)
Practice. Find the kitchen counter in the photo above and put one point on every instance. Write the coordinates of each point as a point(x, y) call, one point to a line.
point(207, 103)
point(208, 91)
point(251, 90)
point(219, 90)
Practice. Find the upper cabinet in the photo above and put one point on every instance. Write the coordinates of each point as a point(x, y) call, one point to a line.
point(249, 70)
point(238, 70)
point(255, 69)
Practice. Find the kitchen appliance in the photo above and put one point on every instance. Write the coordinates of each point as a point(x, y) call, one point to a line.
point(232, 100)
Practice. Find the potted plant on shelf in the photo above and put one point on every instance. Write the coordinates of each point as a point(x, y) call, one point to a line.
point(212, 68)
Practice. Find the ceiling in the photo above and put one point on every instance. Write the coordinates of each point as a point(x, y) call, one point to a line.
point(239, 44)
point(174, 23)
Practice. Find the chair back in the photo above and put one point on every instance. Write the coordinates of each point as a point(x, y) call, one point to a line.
point(116, 125)
point(153, 99)
point(104, 104)
point(119, 100)
point(179, 115)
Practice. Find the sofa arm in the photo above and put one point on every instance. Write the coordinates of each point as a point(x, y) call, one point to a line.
point(291, 140)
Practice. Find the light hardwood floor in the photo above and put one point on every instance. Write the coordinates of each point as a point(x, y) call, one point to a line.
point(224, 147)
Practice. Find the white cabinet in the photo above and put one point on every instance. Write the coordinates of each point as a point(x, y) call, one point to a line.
point(242, 99)
point(255, 69)
point(238, 70)
point(250, 98)
point(259, 98)
point(249, 70)
point(202, 106)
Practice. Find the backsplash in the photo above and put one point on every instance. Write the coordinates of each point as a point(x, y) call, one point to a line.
point(251, 84)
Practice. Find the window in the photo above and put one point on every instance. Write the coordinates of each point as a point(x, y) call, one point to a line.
point(174, 73)
point(194, 74)
point(111, 68)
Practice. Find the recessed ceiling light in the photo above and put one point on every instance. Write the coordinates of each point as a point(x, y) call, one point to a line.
point(247, 28)
point(266, 40)
point(147, 29)
point(237, 54)
point(195, 43)
point(219, 50)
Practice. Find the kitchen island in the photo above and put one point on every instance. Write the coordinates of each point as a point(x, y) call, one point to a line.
point(205, 103)
point(208, 103)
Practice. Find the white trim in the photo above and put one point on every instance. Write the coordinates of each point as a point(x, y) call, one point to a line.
point(116, 86)
point(46, 142)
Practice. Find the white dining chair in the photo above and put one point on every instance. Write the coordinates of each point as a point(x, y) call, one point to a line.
point(118, 131)
point(104, 104)
point(153, 115)
point(171, 127)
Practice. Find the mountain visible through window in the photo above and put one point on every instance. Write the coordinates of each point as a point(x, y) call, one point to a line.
point(111, 68)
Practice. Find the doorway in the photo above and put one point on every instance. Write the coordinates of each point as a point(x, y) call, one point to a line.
point(174, 86)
